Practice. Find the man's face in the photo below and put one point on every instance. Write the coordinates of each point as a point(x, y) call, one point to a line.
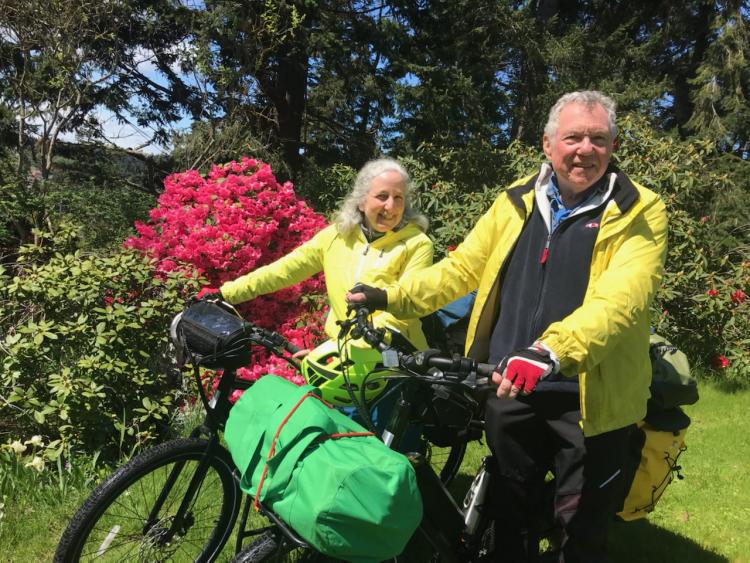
point(580, 148)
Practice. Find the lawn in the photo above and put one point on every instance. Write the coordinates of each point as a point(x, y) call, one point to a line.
point(703, 518)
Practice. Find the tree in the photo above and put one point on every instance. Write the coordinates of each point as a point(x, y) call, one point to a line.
point(721, 86)
point(63, 61)
point(308, 79)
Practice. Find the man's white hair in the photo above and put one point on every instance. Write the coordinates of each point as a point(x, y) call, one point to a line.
point(588, 98)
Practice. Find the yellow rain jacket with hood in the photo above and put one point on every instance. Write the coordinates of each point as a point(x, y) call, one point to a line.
point(605, 340)
point(345, 260)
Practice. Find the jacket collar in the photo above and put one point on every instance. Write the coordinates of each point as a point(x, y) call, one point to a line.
point(624, 193)
point(408, 230)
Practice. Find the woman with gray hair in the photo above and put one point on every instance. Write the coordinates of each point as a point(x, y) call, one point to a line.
point(375, 239)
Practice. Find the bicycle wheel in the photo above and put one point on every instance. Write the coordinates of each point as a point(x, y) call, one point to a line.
point(269, 548)
point(446, 461)
point(120, 520)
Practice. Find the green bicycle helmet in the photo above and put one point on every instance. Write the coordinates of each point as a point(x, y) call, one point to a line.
point(324, 368)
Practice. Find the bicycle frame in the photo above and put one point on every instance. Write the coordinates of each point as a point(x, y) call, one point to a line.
point(444, 522)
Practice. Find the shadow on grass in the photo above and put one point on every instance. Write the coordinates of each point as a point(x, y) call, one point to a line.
point(635, 542)
point(642, 542)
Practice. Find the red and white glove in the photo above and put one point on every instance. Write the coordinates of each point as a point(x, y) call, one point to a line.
point(523, 369)
point(210, 293)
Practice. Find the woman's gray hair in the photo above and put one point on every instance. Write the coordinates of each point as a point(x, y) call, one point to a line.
point(349, 217)
point(588, 98)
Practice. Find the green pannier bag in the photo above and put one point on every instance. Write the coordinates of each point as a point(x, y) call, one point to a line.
point(340, 488)
point(672, 383)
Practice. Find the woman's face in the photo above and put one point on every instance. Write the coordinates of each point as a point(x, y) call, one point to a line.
point(383, 205)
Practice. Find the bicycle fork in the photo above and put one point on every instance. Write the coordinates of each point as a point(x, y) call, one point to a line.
point(180, 518)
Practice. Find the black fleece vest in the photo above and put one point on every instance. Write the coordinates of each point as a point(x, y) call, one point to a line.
point(540, 287)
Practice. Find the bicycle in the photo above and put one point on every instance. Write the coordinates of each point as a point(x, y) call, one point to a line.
point(180, 500)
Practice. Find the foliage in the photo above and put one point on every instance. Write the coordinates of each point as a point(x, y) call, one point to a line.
point(96, 193)
point(220, 140)
point(707, 261)
point(72, 68)
point(451, 95)
point(61, 60)
point(228, 223)
point(84, 355)
point(326, 187)
point(721, 87)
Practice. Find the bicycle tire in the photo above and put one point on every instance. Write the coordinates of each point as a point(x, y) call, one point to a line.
point(446, 461)
point(268, 549)
point(111, 523)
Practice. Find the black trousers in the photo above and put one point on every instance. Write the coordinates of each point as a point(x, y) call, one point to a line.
point(531, 436)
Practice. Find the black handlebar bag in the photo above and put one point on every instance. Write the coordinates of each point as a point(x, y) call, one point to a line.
point(214, 336)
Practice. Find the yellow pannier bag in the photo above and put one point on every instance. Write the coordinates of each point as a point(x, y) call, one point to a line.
point(656, 469)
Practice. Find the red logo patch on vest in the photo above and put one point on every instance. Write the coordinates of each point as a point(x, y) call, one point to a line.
point(592, 225)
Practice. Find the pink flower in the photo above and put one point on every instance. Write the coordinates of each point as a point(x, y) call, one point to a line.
point(712, 293)
point(228, 223)
point(451, 248)
point(738, 297)
point(705, 219)
point(720, 362)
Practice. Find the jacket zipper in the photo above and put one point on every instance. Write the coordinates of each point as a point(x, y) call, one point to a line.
point(543, 285)
point(361, 263)
point(545, 251)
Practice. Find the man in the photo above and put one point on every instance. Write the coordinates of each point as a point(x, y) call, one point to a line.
point(565, 264)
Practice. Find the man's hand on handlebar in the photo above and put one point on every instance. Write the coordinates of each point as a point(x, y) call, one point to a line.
point(373, 298)
point(521, 371)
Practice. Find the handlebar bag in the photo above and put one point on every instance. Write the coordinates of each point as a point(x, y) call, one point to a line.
point(213, 336)
point(340, 488)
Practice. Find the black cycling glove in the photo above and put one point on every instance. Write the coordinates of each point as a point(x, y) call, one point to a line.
point(376, 299)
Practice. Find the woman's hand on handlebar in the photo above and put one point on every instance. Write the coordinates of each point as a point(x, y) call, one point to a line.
point(373, 298)
point(299, 354)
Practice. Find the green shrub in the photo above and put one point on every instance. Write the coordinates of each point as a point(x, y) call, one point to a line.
point(84, 360)
point(701, 304)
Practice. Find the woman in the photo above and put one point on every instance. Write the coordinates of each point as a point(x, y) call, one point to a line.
point(375, 239)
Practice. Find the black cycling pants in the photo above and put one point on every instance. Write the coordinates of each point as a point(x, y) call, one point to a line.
point(531, 436)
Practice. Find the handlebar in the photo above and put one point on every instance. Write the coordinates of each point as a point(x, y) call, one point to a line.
point(394, 355)
point(270, 339)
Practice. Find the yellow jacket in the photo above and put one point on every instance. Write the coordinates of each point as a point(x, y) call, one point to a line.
point(345, 260)
point(605, 340)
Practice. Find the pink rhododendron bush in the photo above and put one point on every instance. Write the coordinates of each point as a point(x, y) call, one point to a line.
point(228, 223)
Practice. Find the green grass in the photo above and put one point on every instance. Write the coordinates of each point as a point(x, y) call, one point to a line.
point(37, 508)
point(704, 518)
